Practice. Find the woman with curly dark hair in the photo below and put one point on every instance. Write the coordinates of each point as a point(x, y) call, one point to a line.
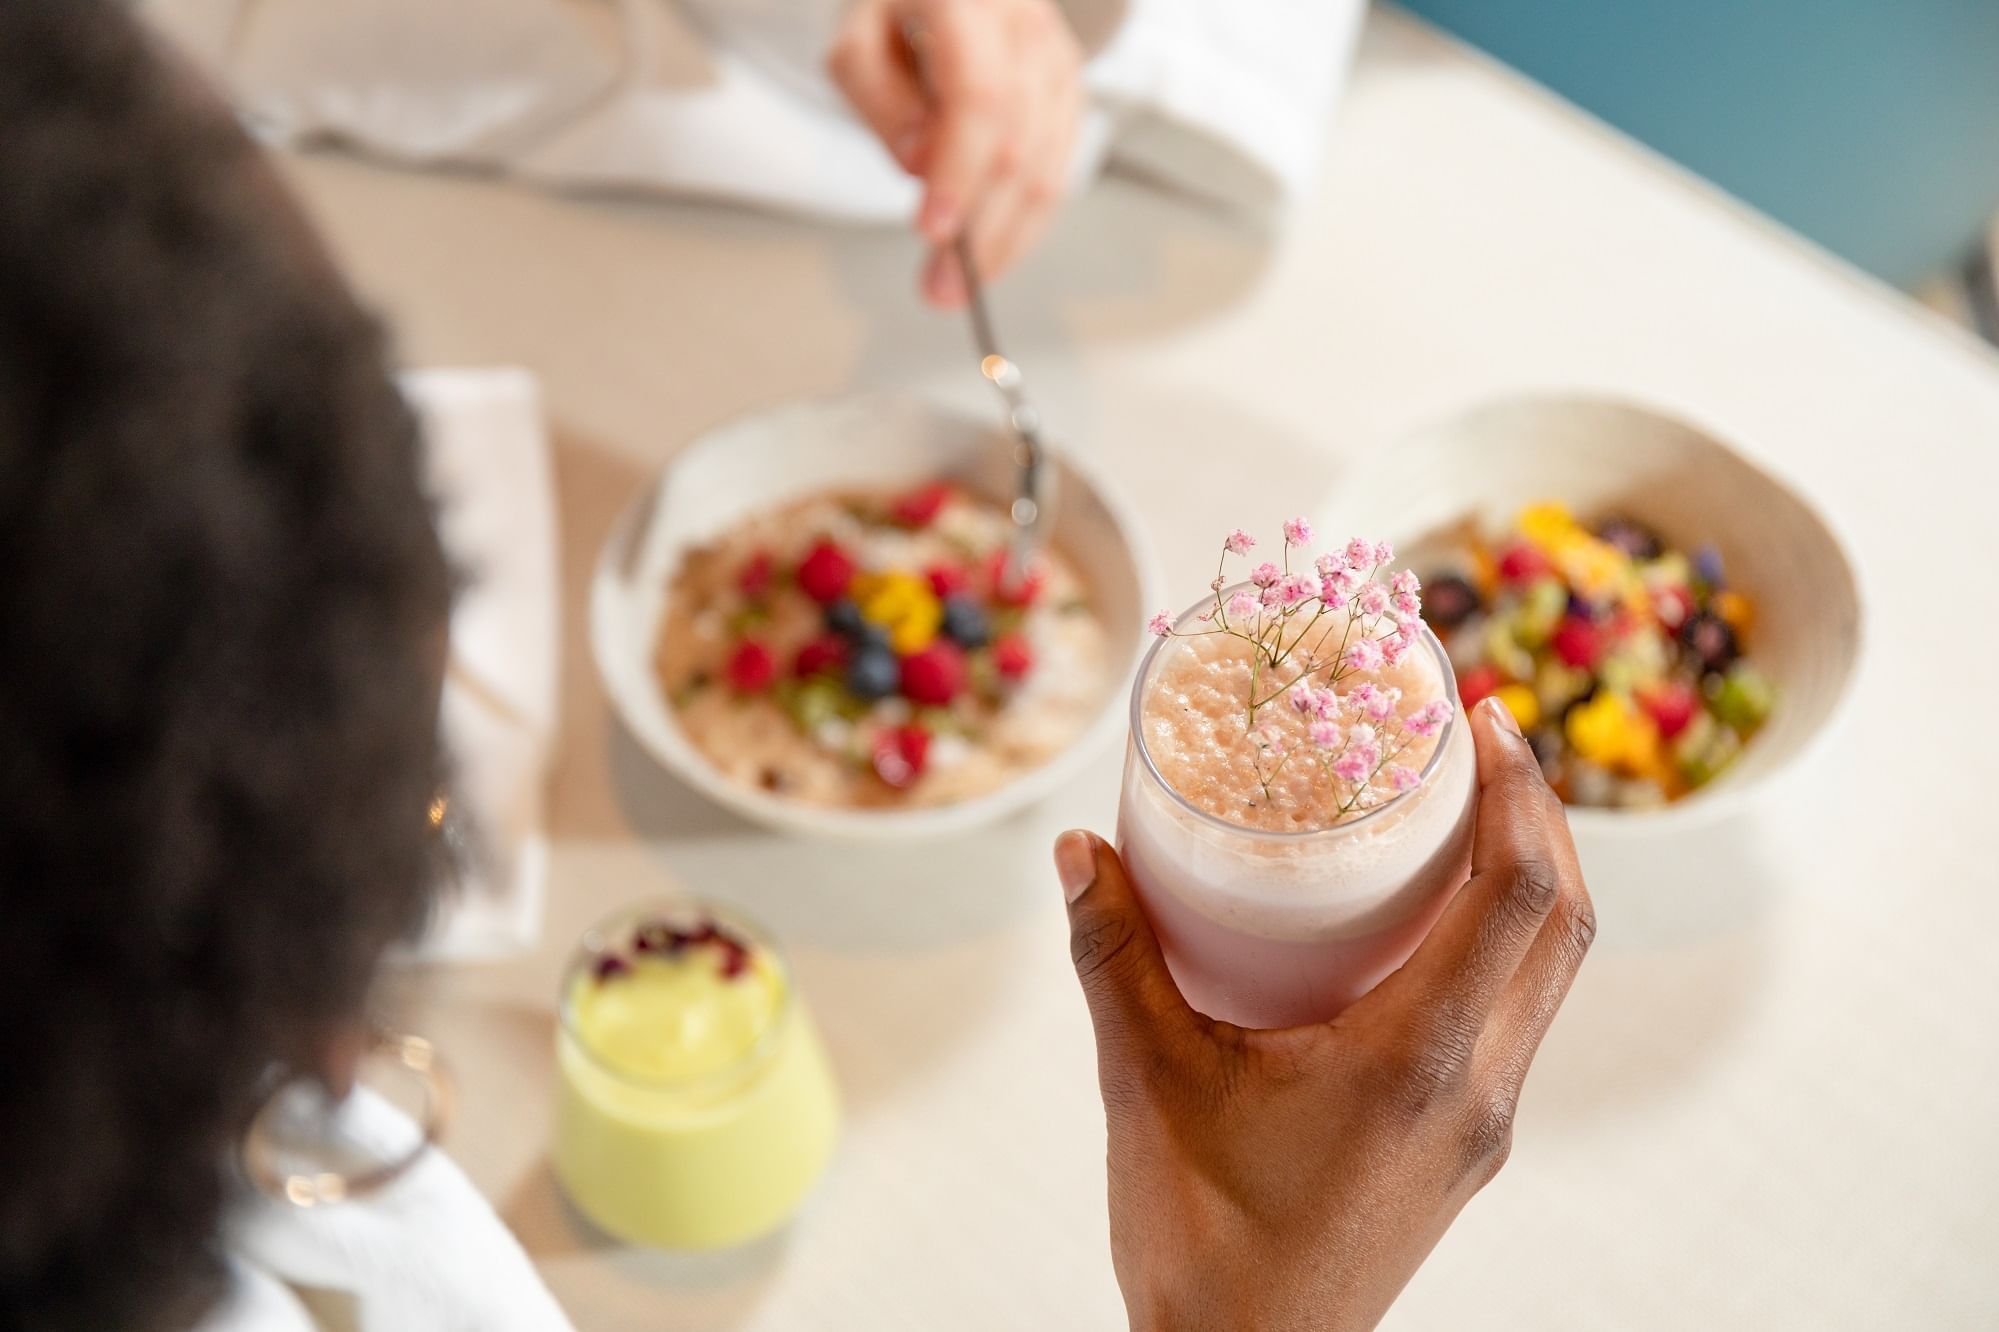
point(222, 602)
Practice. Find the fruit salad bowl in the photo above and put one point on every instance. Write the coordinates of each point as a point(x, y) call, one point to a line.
point(1679, 484)
point(735, 479)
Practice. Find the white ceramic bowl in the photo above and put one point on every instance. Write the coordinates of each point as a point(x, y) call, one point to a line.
point(1603, 456)
point(767, 459)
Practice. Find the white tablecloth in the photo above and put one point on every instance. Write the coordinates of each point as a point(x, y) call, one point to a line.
point(1770, 1101)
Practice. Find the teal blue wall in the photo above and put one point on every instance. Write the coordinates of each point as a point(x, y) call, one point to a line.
point(1871, 126)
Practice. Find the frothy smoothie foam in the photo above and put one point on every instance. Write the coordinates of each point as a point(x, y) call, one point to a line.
point(1285, 874)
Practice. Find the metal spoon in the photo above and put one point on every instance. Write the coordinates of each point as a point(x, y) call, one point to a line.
point(1030, 494)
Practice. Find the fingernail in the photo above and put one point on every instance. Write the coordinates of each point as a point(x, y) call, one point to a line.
point(938, 220)
point(1500, 715)
point(1075, 863)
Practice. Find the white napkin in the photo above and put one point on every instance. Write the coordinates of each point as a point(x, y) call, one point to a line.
point(487, 459)
point(427, 1254)
point(729, 98)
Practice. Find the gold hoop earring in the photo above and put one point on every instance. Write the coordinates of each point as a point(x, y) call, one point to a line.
point(303, 1148)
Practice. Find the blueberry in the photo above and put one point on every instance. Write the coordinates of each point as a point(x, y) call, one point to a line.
point(1449, 601)
point(965, 623)
point(1707, 563)
point(1634, 539)
point(1711, 640)
point(874, 673)
point(843, 617)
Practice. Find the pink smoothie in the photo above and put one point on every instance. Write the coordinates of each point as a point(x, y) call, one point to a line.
point(1275, 907)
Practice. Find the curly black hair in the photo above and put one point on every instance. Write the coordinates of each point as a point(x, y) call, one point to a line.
point(222, 602)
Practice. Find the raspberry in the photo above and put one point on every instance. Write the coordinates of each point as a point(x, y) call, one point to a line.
point(920, 507)
point(901, 753)
point(827, 653)
point(933, 677)
point(1013, 656)
point(1024, 592)
point(1478, 684)
point(755, 578)
point(1578, 643)
point(1523, 562)
point(1671, 707)
point(751, 668)
point(825, 573)
point(947, 580)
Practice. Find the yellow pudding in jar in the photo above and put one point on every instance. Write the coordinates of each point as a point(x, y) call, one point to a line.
point(697, 1106)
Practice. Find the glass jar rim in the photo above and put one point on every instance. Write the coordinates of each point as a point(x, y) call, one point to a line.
point(1279, 835)
point(593, 944)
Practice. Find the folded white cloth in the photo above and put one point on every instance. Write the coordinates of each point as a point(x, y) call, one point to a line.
point(487, 459)
point(729, 99)
point(426, 1254)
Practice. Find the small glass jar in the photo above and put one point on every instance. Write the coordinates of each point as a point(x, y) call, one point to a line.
point(691, 1115)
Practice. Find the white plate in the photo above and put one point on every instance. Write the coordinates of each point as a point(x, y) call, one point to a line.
point(763, 461)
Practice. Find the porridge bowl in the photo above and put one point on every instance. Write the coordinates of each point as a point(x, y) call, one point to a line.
point(807, 620)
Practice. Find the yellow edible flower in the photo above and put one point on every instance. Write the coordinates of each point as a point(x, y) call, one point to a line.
point(903, 604)
point(1611, 733)
point(1521, 702)
point(1547, 525)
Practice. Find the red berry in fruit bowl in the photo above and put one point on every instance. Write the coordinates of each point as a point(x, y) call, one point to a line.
point(827, 653)
point(933, 677)
point(920, 507)
point(755, 579)
point(1013, 657)
point(1478, 684)
point(1670, 706)
point(825, 573)
point(751, 669)
point(1578, 643)
point(947, 580)
point(1523, 562)
point(901, 753)
point(1024, 590)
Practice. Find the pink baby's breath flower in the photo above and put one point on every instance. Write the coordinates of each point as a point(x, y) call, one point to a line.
point(1332, 593)
point(1328, 565)
point(1269, 738)
point(1298, 532)
point(1325, 734)
point(1373, 599)
point(1304, 698)
point(1361, 695)
point(1406, 583)
point(1160, 624)
point(1384, 552)
point(1242, 606)
point(1380, 706)
point(1295, 588)
point(1404, 778)
point(1394, 648)
point(1429, 719)
point(1365, 737)
point(1364, 654)
point(1407, 603)
point(1266, 574)
point(1329, 705)
point(1356, 764)
point(1360, 554)
point(1239, 542)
